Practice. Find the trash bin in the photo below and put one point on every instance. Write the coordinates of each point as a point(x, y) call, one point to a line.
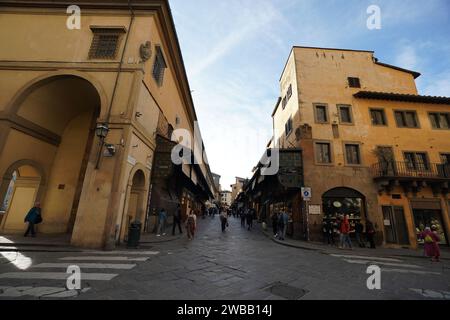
point(134, 234)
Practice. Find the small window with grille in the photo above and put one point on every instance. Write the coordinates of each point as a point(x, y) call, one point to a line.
point(105, 43)
point(159, 67)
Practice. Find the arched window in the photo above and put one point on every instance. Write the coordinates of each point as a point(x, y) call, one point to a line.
point(344, 201)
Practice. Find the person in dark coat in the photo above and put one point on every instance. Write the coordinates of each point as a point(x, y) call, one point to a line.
point(370, 234)
point(177, 220)
point(359, 229)
point(33, 218)
point(242, 213)
point(249, 217)
point(275, 224)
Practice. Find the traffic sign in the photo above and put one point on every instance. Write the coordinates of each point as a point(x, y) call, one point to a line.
point(306, 194)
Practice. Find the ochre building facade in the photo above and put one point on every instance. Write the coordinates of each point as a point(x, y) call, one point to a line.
point(122, 72)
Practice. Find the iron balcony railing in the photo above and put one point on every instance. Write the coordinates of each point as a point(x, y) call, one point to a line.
point(410, 170)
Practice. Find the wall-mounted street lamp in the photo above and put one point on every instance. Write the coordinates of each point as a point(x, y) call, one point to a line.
point(101, 131)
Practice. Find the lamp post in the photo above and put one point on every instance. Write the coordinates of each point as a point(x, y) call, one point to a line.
point(101, 131)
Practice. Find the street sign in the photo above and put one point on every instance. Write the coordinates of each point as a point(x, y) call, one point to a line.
point(306, 194)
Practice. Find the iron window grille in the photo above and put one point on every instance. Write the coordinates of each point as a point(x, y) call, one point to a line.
point(105, 43)
point(159, 67)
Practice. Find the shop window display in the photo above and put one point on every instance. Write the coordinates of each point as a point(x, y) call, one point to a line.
point(427, 218)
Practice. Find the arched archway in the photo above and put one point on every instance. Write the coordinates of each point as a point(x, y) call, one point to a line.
point(21, 187)
point(136, 201)
point(51, 123)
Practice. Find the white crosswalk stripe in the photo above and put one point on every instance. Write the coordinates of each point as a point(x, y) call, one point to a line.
point(56, 276)
point(389, 265)
point(86, 266)
point(103, 258)
point(87, 260)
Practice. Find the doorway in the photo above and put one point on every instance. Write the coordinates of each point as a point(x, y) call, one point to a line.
point(22, 189)
point(395, 229)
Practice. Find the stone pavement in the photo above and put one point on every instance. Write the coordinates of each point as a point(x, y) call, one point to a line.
point(236, 265)
point(379, 252)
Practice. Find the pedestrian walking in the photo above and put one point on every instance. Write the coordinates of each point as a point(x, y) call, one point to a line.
point(249, 218)
point(33, 217)
point(328, 229)
point(224, 220)
point(370, 234)
point(162, 223)
point(191, 224)
point(275, 224)
point(177, 221)
point(243, 218)
point(283, 220)
point(432, 240)
point(345, 234)
point(359, 229)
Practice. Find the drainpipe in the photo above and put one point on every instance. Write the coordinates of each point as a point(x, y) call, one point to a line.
point(119, 71)
point(107, 233)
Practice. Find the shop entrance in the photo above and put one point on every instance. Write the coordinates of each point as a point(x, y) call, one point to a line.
point(344, 201)
point(426, 218)
point(395, 228)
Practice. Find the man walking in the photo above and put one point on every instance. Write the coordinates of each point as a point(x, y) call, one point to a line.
point(162, 223)
point(177, 220)
point(283, 220)
point(33, 218)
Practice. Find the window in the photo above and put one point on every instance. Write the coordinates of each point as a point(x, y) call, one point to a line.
point(345, 114)
point(321, 112)
point(445, 158)
point(440, 120)
point(417, 161)
point(159, 67)
point(378, 117)
point(323, 152)
point(105, 42)
point(288, 127)
point(284, 103)
point(352, 154)
point(354, 82)
point(289, 92)
point(406, 119)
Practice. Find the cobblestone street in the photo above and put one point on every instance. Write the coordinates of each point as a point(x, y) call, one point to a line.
point(236, 265)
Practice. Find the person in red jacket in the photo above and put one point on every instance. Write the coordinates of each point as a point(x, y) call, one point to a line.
point(345, 233)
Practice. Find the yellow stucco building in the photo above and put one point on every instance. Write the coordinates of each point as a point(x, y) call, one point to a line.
point(372, 146)
point(121, 71)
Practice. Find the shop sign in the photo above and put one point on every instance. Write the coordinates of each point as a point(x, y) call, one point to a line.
point(315, 210)
point(387, 223)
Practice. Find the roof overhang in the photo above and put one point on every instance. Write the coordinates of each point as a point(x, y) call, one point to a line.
point(401, 97)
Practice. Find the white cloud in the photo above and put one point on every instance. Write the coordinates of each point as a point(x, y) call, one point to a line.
point(407, 58)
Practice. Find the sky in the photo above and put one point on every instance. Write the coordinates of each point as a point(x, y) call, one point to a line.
point(235, 51)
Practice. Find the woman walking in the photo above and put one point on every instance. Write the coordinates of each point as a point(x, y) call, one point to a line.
point(275, 224)
point(224, 220)
point(191, 224)
point(431, 243)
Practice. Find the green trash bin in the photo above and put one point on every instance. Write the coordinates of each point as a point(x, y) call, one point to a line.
point(134, 234)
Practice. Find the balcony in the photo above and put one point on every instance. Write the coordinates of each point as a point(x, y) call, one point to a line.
point(412, 177)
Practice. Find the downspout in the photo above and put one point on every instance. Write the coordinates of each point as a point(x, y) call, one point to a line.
point(107, 233)
point(119, 71)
